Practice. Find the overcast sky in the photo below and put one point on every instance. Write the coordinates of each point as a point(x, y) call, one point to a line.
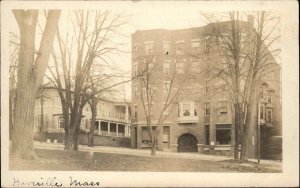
point(143, 16)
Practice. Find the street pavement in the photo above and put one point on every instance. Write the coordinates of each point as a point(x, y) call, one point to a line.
point(270, 164)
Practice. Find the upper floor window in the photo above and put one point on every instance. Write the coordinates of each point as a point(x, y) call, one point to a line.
point(166, 47)
point(135, 111)
point(166, 68)
point(179, 67)
point(179, 47)
point(269, 99)
point(195, 45)
point(149, 47)
point(195, 110)
point(207, 108)
point(167, 85)
point(186, 109)
point(206, 86)
point(223, 107)
point(195, 67)
point(206, 45)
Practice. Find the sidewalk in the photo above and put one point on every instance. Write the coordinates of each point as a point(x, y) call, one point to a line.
point(129, 151)
point(275, 165)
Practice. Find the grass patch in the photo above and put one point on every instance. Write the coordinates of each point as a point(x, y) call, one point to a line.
point(60, 160)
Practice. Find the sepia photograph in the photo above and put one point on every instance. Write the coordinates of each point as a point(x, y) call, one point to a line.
point(140, 93)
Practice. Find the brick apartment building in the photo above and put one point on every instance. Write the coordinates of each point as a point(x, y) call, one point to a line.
point(202, 120)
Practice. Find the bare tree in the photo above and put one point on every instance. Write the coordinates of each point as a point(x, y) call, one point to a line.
point(90, 42)
point(151, 77)
point(262, 66)
point(32, 64)
point(241, 67)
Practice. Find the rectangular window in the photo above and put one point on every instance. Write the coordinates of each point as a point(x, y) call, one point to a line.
point(166, 47)
point(261, 113)
point(269, 116)
point(135, 112)
point(207, 46)
point(179, 67)
point(195, 67)
point(186, 109)
point(167, 86)
point(146, 140)
point(223, 107)
point(166, 133)
point(149, 47)
point(195, 45)
point(269, 99)
point(206, 134)
point(166, 68)
point(179, 47)
point(223, 134)
point(195, 110)
point(207, 108)
point(61, 123)
point(206, 86)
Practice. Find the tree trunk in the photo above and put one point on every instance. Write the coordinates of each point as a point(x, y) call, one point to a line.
point(22, 137)
point(93, 121)
point(68, 136)
point(76, 135)
point(153, 148)
point(236, 132)
point(77, 124)
point(30, 76)
point(241, 127)
point(250, 106)
point(12, 100)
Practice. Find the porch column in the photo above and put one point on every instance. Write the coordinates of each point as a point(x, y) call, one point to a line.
point(117, 127)
point(108, 128)
point(126, 129)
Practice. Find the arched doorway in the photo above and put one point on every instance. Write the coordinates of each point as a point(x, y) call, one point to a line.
point(187, 143)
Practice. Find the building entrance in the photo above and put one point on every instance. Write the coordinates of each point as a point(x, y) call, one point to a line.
point(187, 143)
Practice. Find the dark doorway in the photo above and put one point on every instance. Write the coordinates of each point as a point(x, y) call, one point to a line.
point(135, 137)
point(187, 143)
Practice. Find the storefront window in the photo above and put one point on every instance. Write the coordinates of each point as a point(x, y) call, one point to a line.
point(223, 134)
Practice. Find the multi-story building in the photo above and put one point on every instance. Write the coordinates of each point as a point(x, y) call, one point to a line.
point(113, 118)
point(202, 121)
